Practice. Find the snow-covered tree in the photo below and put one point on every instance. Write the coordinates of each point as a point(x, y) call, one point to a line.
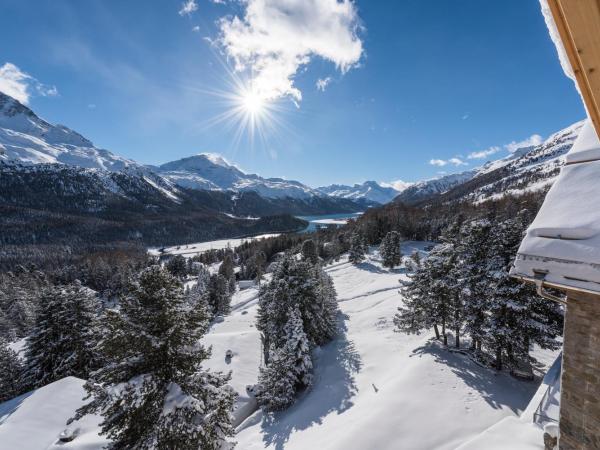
point(297, 311)
point(177, 265)
point(289, 369)
point(153, 391)
point(357, 248)
point(226, 269)
point(11, 373)
point(64, 337)
point(390, 250)
point(218, 295)
point(309, 251)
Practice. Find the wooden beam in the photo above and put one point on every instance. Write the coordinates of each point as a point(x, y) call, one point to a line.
point(578, 23)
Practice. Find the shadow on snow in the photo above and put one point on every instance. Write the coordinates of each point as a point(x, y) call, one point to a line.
point(498, 389)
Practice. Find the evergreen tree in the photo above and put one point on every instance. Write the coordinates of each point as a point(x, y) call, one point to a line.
point(153, 391)
point(309, 251)
point(297, 311)
point(357, 249)
point(218, 296)
point(226, 269)
point(177, 266)
point(11, 373)
point(390, 250)
point(289, 369)
point(64, 337)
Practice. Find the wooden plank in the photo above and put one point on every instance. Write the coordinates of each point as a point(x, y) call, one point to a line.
point(578, 23)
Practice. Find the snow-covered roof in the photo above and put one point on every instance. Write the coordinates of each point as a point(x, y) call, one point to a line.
point(563, 242)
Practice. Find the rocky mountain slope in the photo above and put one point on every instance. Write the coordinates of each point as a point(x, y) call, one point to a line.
point(525, 170)
point(212, 171)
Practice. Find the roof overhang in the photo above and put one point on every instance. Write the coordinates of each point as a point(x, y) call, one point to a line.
point(578, 25)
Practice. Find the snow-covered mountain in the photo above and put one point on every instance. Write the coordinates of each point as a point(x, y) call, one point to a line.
point(28, 139)
point(370, 190)
point(212, 171)
point(525, 170)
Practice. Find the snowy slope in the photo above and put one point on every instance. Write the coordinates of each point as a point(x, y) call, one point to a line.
point(426, 188)
point(33, 421)
point(379, 389)
point(212, 171)
point(374, 388)
point(26, 138)
point(370, 190)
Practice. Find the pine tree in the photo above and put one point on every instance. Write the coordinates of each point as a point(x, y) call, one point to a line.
point(390, 250)
point(226, 269)
point(11, 373)
point(309, 251)
point(290, 367)
point(64, 337)
point(153, 391)
point(218, 296)
point(357, 249)
point(177, 266)
point(297, 311)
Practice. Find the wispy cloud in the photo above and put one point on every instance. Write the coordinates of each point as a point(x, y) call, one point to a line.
point(188, 7)
point(534, 139)
point(322, 83)
point(465, 116)
point(275, 38)
point(196, 29)
point(444, 162)
point(484, 153)
point(21, 86)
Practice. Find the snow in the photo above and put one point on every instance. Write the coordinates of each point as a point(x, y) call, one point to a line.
point(587, 147)
point(34, 420)
point(370, 190)
point(373, 387)
point(564, 238)
point(197, 248)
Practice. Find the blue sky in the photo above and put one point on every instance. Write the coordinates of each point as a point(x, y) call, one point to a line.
point(407, 83)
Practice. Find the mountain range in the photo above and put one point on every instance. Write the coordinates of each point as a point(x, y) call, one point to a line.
point(44, 165)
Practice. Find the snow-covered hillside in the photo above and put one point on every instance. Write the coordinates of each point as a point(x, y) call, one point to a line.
point(212, 171)
point(373, 389)
point(524, 170)
point(26, 138)
point(370, 190)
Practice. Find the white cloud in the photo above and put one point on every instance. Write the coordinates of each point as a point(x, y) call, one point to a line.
point(534, 139)
point(465, 116)
point(443, 162)
point(438, 162)
point(484, 153)
point(21, 86)
point(188, 7)
point(322, 83)
point(276, 38)
point(196, 29)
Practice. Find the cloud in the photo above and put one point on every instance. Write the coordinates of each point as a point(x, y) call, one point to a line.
point(534, 139)
point(188, 7)
point(21, 86)
point(484, 153)
point(196, 29)
point(322, 83)
point(276, 38)
point(91, 106)
point(443, 162)
point(465, 116)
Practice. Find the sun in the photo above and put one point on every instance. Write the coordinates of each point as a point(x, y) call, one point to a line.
point(252, 102)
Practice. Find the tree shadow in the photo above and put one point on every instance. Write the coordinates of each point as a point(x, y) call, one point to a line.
point(9, 407)
point(498, 389)
point(370, 267)
point(334, 386)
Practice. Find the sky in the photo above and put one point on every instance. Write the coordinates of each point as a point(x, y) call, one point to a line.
point(322, 91)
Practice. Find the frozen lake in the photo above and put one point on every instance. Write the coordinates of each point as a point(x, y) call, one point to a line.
point(324, 220)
